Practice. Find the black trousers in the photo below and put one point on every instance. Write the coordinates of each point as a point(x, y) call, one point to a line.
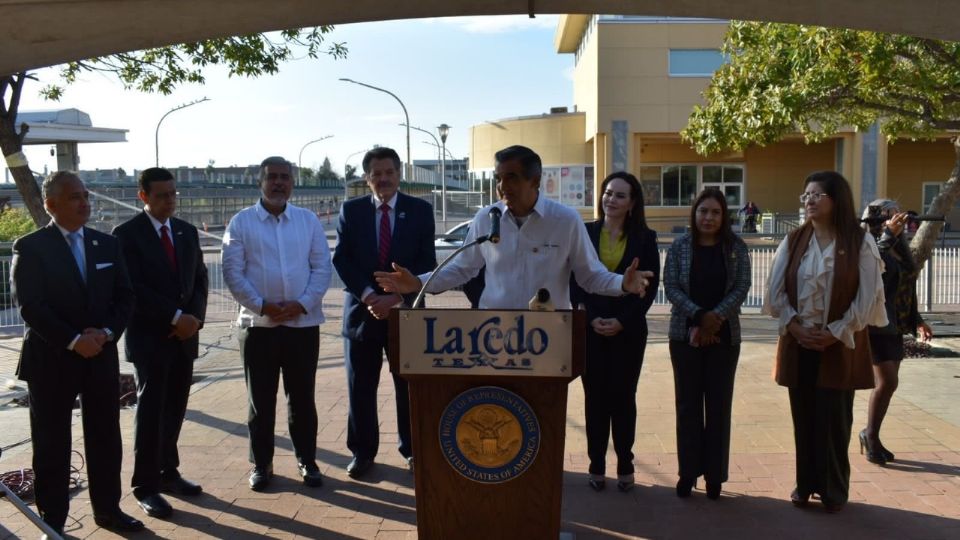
point(364, 361)
point(703, 385)
point(52, 397)
point(163, 387)
point(268, 353)
point(610, 391)
point(822, 420)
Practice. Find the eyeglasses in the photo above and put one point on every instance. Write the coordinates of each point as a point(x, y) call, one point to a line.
point(815, 197)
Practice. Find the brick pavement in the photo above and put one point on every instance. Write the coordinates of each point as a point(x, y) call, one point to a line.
point(915, 497)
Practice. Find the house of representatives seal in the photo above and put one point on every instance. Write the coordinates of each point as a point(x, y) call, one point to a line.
point(489, 434)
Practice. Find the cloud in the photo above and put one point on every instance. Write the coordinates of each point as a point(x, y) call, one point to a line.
point(498, 24)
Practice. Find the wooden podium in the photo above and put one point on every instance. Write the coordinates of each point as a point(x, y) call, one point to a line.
point(488, 407)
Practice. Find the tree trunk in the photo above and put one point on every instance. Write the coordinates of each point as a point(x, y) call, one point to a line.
point(929, 232)
point(11, 142)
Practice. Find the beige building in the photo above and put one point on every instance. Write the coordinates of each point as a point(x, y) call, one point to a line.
point(636, 80)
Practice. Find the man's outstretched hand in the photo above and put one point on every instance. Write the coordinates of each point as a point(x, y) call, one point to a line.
point(400, 281)
point(636, 281)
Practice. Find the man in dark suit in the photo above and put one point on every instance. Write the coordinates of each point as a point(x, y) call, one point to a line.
point(169, 279)
point(387, 227)
point(75, 297)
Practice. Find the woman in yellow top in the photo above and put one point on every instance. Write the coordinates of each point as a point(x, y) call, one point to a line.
point(617, 332)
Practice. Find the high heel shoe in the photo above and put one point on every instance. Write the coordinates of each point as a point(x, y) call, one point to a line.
point(685, 486)
point(713, 490)
point(874, 455)
point(597, 483)
point(888, 455)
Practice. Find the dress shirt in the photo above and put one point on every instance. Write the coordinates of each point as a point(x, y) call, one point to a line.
point(282, 258)
point(156, 226)
point(552, 242)
point(83, 250)
point(815, 284)
point(392, 203)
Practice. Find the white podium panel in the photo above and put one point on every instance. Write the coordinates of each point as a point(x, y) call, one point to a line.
point(486, 342)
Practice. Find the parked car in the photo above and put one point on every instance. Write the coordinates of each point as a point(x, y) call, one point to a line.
point(453, 238)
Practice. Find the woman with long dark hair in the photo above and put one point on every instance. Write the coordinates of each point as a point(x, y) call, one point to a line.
point(886, 224)
point(617, 332)
point(706, 277)
point(825, 288)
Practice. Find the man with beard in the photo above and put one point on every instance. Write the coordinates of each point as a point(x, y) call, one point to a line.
point(276, 264)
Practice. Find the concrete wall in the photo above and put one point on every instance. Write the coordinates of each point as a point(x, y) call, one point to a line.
point(558, 138)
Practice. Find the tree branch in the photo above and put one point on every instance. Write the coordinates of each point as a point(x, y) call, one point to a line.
point(15, 92)
point(891, 109)
point(936, 48)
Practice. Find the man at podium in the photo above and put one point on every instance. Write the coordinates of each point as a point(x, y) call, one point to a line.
point(540, 243)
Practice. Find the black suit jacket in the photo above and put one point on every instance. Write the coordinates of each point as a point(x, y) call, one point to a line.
point(160, 291)
point(630, 310)
point(356, 254)
point(56, 304)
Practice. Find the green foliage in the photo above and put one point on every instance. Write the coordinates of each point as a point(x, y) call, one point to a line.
point(162, 69)
point(14, 223)
point(785, 79)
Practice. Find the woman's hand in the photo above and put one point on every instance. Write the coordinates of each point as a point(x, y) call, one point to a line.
point(606, 327)
point(896, 223)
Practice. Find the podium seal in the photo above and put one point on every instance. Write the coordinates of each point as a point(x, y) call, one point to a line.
point(489, 434)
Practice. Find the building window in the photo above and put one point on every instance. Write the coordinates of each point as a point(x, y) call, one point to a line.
point(678, 185)
point(694, 62)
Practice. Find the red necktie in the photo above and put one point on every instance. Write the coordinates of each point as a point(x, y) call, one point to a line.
point(168, 246)
point(384, 258)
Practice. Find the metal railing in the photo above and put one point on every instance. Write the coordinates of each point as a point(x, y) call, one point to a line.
point(938, 286)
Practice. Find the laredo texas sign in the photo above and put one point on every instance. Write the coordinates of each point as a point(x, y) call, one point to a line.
point(470, 342)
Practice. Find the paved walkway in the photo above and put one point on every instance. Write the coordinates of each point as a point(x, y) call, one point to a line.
point(915, 497)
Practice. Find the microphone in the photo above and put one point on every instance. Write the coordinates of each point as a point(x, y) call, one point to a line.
point(494, 236)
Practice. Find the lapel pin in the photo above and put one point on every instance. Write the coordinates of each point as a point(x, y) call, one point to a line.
point(841, 252)
point(402, 215)
point(94, 242)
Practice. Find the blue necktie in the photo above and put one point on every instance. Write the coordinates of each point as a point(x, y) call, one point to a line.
point(75, 240)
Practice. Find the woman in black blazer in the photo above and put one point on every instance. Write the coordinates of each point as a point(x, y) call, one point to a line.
point(617, 332)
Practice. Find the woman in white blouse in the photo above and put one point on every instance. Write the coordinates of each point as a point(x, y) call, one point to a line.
point(825, 288)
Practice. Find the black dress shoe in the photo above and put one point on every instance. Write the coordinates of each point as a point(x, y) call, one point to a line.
point(179, 485)
point(713, 490)
point(358, 467)
point(685, 486)
point(260, 477)
point(310, 474)
point(118, 522)
point(155, 505)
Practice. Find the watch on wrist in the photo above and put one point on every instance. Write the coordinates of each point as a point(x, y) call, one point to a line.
point(109, 334)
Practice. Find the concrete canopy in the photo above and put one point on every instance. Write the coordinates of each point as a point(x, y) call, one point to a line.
point(39, 33)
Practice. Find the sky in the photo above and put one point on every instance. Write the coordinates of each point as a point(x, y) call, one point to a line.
point(459, 71)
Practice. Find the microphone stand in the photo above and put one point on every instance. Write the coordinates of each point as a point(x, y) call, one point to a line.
point(479, 240)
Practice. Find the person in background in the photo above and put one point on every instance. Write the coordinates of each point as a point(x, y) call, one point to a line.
point(824, 289)
point(750, 213)
point(900, 273)
point(617, 332)
point(706, 278)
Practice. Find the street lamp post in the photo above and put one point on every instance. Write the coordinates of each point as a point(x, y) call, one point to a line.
point(408, 172)
point(444, 130)
point(439, 155)
point(346, 163)
point(156, 134)
point(300, 157)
